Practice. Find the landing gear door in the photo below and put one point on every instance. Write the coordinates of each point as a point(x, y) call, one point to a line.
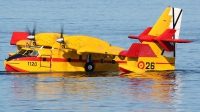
point(45, 61)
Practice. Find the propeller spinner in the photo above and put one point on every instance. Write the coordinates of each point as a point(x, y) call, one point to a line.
point(60, 40)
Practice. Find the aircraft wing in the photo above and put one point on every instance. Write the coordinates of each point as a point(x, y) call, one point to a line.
point(112, 50)
point(88, 44)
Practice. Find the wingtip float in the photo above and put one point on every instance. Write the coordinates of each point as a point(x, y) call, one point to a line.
point(57, 52)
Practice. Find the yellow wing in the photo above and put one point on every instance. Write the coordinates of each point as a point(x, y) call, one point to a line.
point(46, 39)
point(112, 50)
point(42, 39)
point(88, 44)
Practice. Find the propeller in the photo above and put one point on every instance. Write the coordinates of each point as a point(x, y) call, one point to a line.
point(32, 34)
point(61, 39)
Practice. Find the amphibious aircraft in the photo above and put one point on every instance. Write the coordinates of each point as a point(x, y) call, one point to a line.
point(57, 52)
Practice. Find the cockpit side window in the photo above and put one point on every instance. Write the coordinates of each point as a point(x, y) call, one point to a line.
point(34, 53)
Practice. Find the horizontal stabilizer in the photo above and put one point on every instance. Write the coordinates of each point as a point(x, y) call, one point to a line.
point(177, 40)
point(167, 34)
point(133, 37)
point(145, 32)
point(164, 39)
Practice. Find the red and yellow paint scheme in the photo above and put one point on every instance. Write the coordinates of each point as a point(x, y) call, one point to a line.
point(74, 54)
point(157, 48)
point(57, 52)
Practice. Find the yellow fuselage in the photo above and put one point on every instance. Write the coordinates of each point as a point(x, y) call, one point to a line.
point(144, 63)
point(60, 60)
point(80, 53)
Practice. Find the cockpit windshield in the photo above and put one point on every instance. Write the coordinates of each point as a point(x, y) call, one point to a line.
point(28, 52)
point(22, 51)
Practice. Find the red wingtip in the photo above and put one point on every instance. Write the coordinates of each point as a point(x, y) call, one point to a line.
point(16, 36)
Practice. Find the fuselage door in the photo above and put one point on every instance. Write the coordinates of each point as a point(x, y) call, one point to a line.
point(45, 61)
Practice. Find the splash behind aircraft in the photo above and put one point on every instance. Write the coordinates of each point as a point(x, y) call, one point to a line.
point(57, 52)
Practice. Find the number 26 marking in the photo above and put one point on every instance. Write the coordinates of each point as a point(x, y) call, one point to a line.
point(150, 65)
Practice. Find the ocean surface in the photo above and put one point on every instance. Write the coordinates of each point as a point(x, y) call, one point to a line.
point(112, 21)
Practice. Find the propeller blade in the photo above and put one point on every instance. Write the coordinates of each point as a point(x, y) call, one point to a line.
point(34, 29)
point(62, 31)
point(28, 30)
point(61, 39)
point(31, 34)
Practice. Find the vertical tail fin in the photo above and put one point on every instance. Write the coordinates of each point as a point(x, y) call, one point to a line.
point(166, 27)
point(158, 44)
point(170, 19)
point(175, 23)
